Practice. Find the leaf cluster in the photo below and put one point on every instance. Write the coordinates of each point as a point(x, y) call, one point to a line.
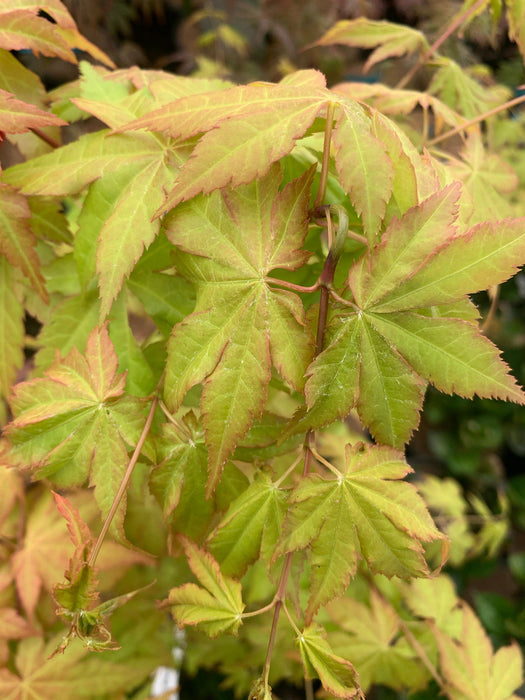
point(244, 292)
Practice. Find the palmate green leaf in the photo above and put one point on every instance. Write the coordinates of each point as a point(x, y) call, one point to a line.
point(76, 423)
point(337, 675)
point(17, 240)
point(116, 220)
point(69, 676)
point(488, 180)
point(178, 482)
point(461, 92)
point(367, 512)
point(390, 39)
point(215, 608)
point(471, 670)
point(247, 128)
point(241, 325)
point(251, 525)
point(407, 328)
point(372, 639)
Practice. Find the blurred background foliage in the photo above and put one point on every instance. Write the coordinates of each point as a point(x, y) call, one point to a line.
point(476, 448)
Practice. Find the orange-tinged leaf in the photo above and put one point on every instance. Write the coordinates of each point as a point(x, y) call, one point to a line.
point(19, 29)
point(23, 27)
point(17, 116)
point(239, 150)
point(373, 641)
point(389, 38)
point(44, 555)
point(76, 422)
point(37, 677)
point(472, 671)
point(412, 322)
point(13, 625)
point(240, 325)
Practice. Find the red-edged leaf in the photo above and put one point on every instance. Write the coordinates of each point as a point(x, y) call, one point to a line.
point(16, 116)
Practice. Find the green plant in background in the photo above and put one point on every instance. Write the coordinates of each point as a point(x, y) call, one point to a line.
point(244, 292)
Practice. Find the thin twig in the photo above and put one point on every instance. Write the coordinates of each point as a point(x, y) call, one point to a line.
point(476, 120)
point(435, 46)
point(124, 483)
point(48, 139)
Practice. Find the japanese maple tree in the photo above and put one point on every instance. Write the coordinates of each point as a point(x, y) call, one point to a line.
point(301, 264)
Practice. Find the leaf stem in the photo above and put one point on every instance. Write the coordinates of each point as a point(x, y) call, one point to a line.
point(476, 120)
point(440, 40)
point(288, 471)
point(293, 287)
point(323, 181)
point(345, 302)
point(422, 654)
point(180, 429)
point(279, 602)
point(124, 483)
point(260, 611)
point(325, 462)
point(291, 621)
point(44, 137)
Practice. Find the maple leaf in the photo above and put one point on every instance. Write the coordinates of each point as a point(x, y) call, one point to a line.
point(373, 639)
point(246, 129)
point(76, 422)
point(472, 670)
point(40, 678)
point(215, 608)
point(337, 675)
point(487, 178)
point(17, 240)
point(21, 27)
point(240, 324)
point(407, 328)
point(389, 38)
point(116, 222)
point(462, 92)
point(251, 525)
point(178, 482)
point(367, 512)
